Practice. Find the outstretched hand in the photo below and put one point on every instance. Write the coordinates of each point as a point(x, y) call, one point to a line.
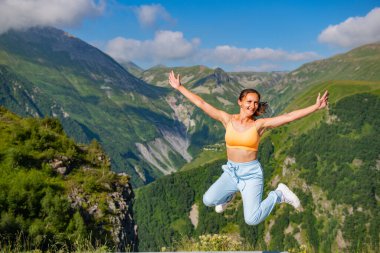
point(322, 102)
point(174, 81)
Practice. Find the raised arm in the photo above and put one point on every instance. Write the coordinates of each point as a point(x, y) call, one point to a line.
point(198, 101)
point(294, 115)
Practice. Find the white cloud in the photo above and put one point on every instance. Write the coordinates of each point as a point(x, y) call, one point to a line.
point(233, 55)
point(148, 15)
point(169, 47)
point(166, 45)
point(260, 68)
point(354, 31)
point(21, 14)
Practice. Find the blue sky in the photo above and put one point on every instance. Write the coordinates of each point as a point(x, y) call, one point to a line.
point(236, 35)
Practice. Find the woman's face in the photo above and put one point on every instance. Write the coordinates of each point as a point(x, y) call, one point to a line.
point(250, 103)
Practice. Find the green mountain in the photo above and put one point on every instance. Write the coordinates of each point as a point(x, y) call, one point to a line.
point(145, 129)
point(258, 80)
point(329, 158)
point(57, 195)
point(46, 72)
point(361, 64)
point(195, 76)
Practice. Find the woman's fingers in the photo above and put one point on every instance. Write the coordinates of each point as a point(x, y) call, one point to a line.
point(322, 100)
point(325, 95)
point(171, 76)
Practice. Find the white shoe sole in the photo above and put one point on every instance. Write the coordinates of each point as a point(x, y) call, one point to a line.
point(289, 196)
point(222, 207)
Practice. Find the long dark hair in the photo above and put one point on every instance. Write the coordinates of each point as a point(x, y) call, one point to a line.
point(263, 106)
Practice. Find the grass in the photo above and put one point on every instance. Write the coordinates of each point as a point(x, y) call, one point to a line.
point(23, 244)
point(337, 90)
point(204, 158)
point(210, 242)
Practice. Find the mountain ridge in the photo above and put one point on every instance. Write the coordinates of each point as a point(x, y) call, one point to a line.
point(148, 129)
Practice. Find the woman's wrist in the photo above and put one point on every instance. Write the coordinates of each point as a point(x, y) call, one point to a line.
point(179, 87)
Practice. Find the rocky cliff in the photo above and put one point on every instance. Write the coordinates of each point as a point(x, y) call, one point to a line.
point(59, 194)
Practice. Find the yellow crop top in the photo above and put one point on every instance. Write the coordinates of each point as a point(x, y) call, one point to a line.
point(248, 139)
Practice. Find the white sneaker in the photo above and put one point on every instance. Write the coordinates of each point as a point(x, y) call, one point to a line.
point(220, 208)
point(288, 196)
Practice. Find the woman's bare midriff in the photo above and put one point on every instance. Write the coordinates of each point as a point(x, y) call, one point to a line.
point(241, 155)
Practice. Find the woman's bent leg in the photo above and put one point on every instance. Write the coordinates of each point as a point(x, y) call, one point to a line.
point(221, 191)
point(255, 210)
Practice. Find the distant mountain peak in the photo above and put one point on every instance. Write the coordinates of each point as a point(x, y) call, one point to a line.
point(221, 76)
point(134, 65)
point(159, 66)
point(133, 68)
point(58, 49)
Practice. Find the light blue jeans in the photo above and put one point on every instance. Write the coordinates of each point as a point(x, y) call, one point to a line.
point(248, 179)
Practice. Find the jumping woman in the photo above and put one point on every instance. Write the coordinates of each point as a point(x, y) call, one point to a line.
point(243, 172)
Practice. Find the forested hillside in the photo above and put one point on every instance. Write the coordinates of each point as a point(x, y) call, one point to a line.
point(58, 195)
point(342, 158)
point(330, 159)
